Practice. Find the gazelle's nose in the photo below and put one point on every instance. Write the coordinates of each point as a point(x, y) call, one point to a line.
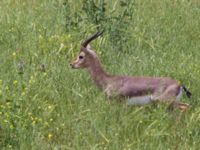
point(71, 65)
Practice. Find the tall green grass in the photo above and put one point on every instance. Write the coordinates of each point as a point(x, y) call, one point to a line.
point(61, 108)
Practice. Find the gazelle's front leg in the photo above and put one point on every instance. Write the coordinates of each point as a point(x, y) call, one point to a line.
point(139, 100)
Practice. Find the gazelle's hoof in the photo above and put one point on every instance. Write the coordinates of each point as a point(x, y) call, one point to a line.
point(183, 107)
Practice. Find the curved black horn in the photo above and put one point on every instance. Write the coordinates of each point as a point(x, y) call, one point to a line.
point(88, 40)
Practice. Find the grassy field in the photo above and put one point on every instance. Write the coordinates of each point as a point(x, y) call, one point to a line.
point(60, 108)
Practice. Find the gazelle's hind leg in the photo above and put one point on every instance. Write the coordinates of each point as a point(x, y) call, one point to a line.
point(172, 96)
point(182, 106)
point(168, 95)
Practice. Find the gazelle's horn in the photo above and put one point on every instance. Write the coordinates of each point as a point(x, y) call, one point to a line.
point(88, 40)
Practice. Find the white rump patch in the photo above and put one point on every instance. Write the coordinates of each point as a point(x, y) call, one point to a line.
point(140, 100)
point(178, 97)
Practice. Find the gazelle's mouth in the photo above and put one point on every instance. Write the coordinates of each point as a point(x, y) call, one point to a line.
point(72, 66)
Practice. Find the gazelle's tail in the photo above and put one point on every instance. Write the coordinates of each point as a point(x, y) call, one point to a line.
point(188, 93)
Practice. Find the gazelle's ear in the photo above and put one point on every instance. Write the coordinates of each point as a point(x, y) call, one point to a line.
point(88, 46)
point(84, 49)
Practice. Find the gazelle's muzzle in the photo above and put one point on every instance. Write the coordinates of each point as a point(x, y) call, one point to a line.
point(71, 65)
point(74, 64)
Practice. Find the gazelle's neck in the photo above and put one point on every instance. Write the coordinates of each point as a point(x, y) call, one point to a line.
point(98, 75)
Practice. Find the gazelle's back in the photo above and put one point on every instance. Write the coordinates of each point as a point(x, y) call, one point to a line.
point(139, 86)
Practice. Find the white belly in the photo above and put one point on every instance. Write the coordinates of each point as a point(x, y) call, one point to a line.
point(140, 100)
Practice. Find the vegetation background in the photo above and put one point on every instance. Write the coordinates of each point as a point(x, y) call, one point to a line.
point(46, 105)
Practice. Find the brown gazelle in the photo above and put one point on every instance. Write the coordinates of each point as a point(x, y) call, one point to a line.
point(135, 90)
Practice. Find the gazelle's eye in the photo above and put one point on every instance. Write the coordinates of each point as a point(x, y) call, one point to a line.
point(80, 57)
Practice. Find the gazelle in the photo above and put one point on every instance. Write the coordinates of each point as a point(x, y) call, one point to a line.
point(135, 90)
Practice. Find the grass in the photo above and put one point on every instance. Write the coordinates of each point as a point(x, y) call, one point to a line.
point(61, 108)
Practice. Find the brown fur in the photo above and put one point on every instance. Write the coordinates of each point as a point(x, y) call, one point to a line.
point(160, 88)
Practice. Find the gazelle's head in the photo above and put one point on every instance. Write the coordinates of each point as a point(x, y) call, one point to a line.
point(86, 56)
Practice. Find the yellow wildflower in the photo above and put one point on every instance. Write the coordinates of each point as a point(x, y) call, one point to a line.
point(14, 54)
point(7, 88)
point(6, 121)
point(50, 136)
point(34, 122)
point(15, 82)
point(9, 146)
point(11, 126)
point(30, 81)
point(40, 36)
point(8, 103)
point(46, 124)
point(49, 107)
point(23, 93)
point(32, 118)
